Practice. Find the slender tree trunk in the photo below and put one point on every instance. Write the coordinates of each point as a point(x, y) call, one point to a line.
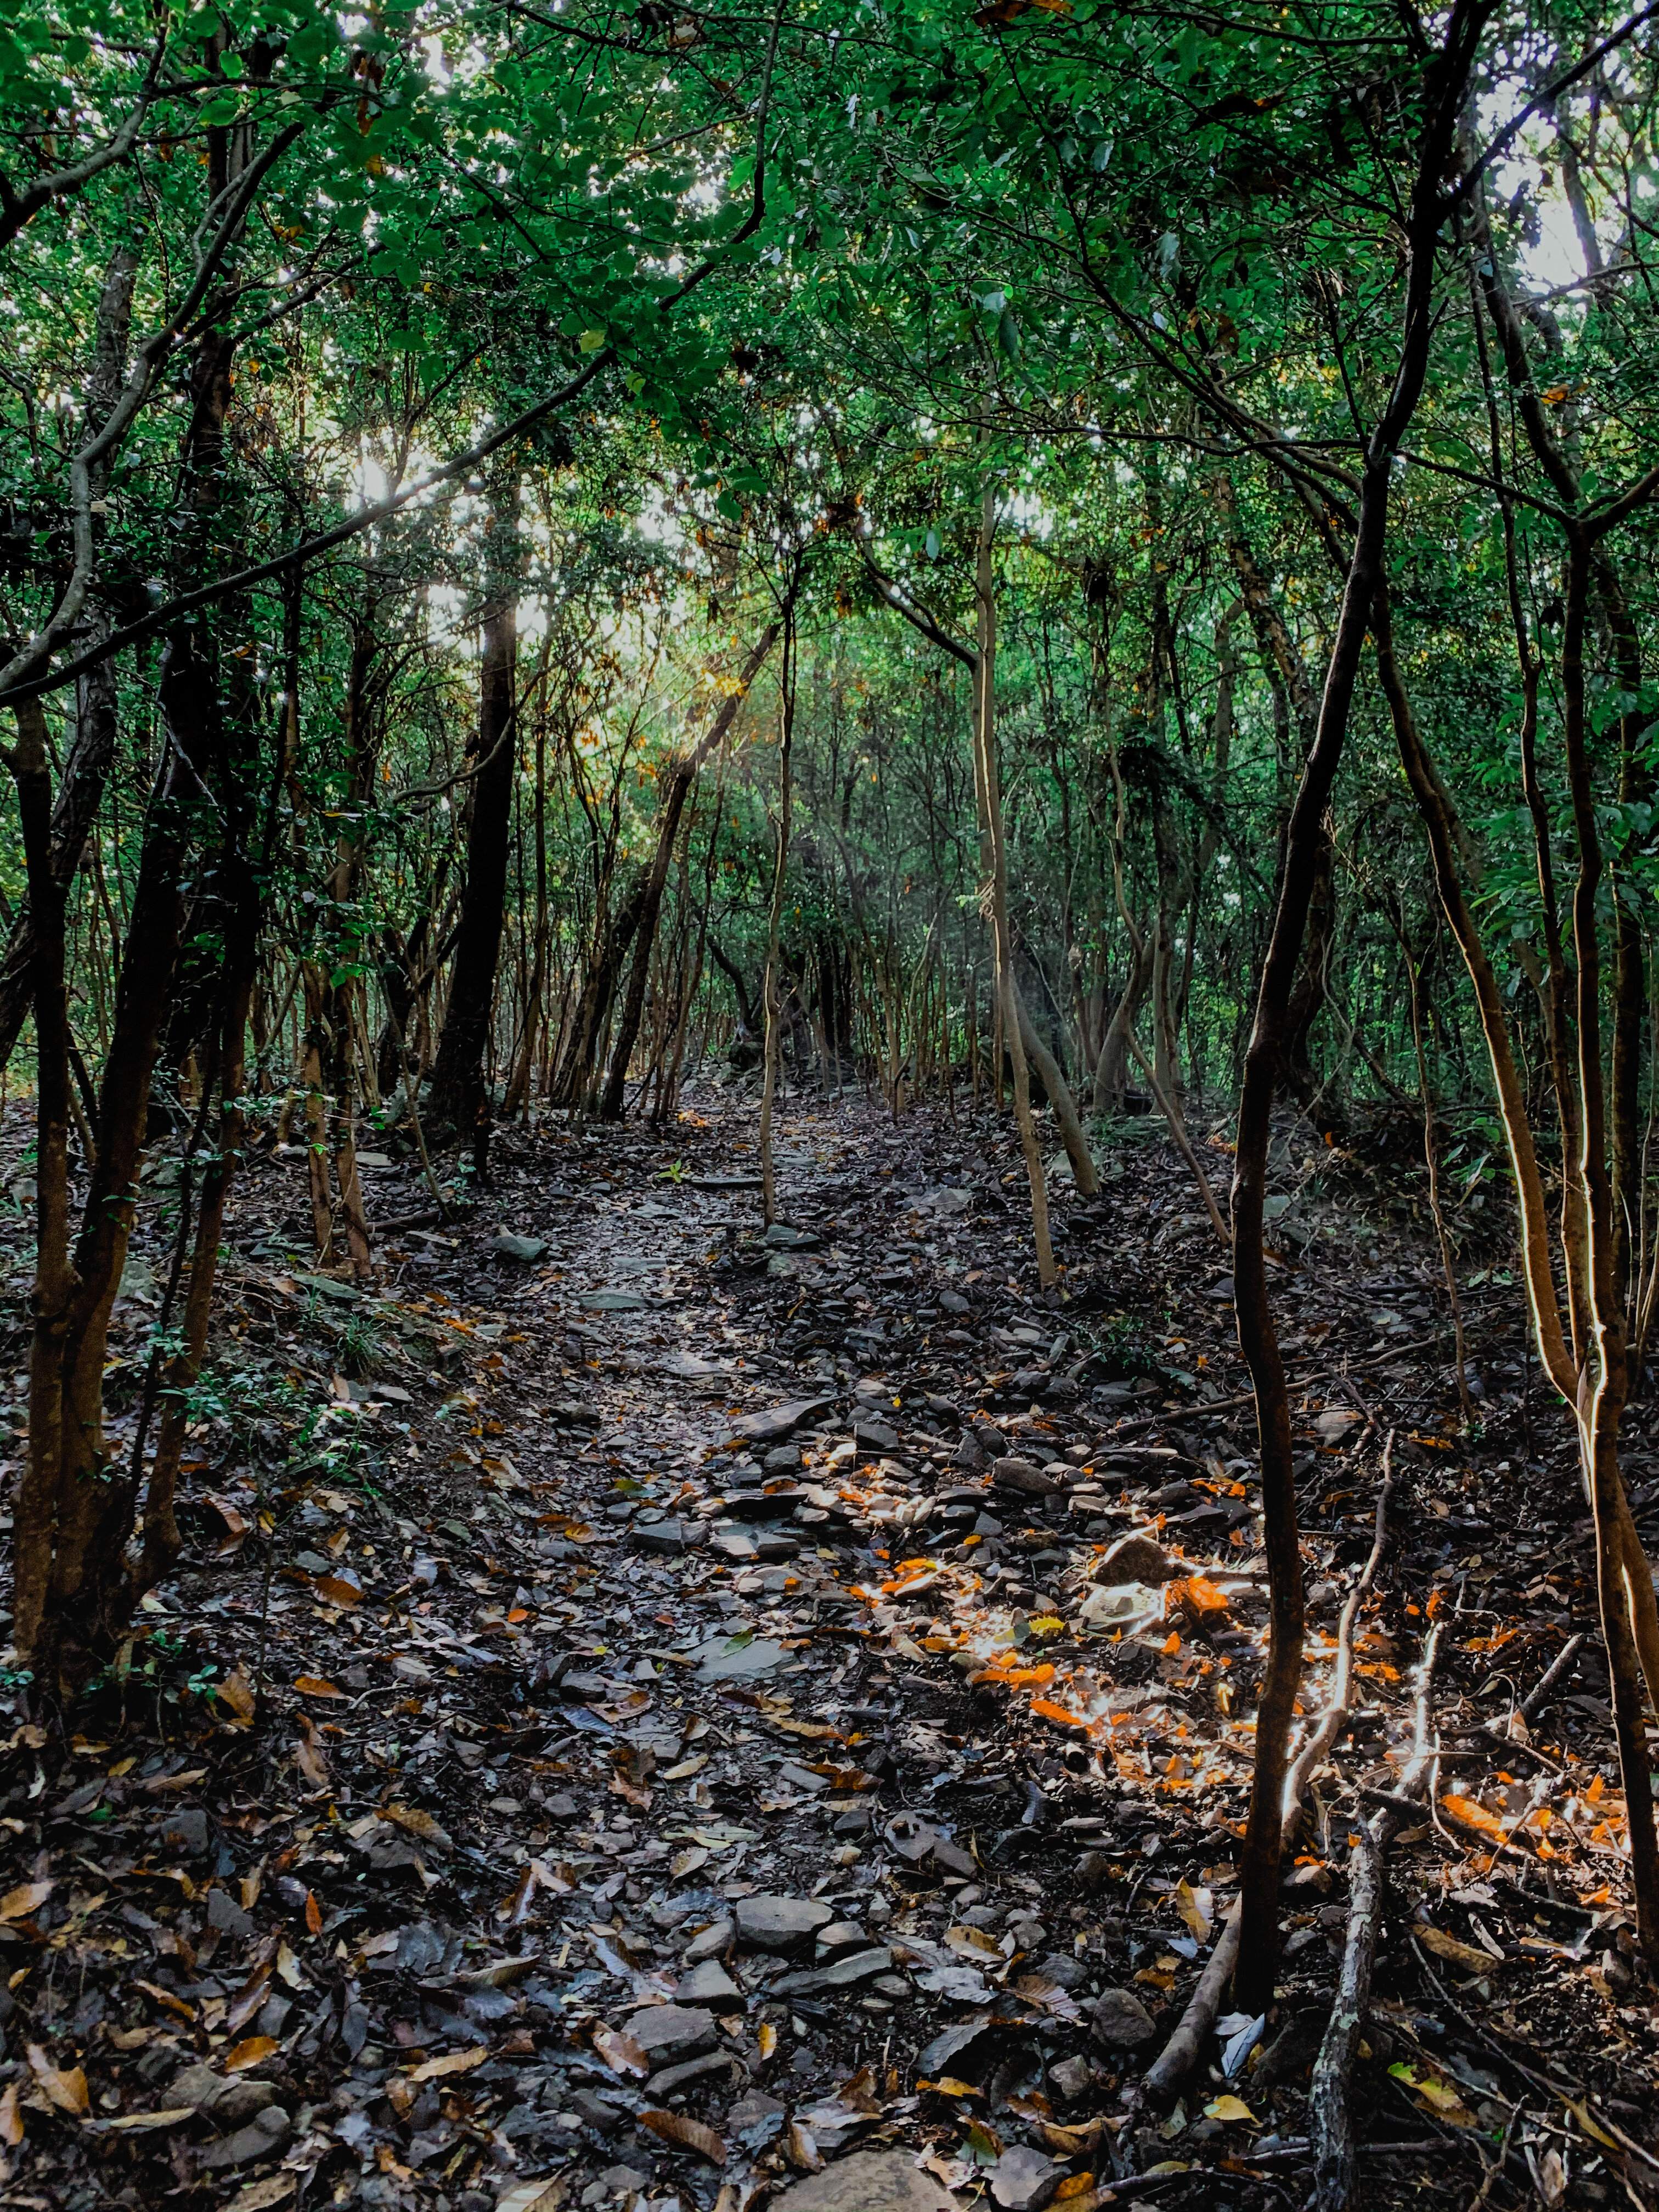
point(458, 1095)
point(668, 823)
point(990, 798)
point(774, 924)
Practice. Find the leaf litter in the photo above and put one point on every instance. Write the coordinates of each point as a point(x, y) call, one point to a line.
point(651, 1752)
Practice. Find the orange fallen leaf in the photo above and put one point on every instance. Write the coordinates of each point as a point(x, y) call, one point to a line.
point(314, 1685)
point(1045, 1709)
point(11, 2120)
point(336, 1590)
point(253, 2051)
point(1469, 1814)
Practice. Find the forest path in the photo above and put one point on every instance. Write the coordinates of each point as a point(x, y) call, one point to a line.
point(622, 1816)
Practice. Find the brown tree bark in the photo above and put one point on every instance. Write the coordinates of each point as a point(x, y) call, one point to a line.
point(1258, 1340)
point(681, 779)
point(460, 1096)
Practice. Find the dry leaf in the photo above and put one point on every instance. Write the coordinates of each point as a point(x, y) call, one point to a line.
point(166, 2000)
point(1228, 2108)
point(11, 2120)
point(687, 2135)
point(1197, 1908)
point(65, 2088)
point(237, 1691)
point(252, 2052)
point(18, 1904)
point(418, 1823)
point(541, 2196)
point(1448, 1946)
point(336, 1590)
point(452, 2062)
point(620, 2052)
point(1469, 1814)
point(144, 2124)
point(313, 1913)
point(248, 1999)
point(309, 1759)
point(263, 2196)
point(314, 1686)
point(801, 2150)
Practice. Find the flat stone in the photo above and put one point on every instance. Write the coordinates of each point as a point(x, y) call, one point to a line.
point(784, 1925)
point(752, 2107)
point(786, 1235)
point(676, 2077)
point(667, 2033)
point(671, 1536)
point(798, 1777)
point(1062, 1968)
point(716, 1662)
point(781, 1421)
point(1024, 1475)
point(776, 1504)
point(515, 1248)
point(954, 1302)
point(707, 1983)
point(1137, 1559)
point(735, 1544)
point(968, 2050)
point(232, 2101)
point(843, 1974)
point(782, 1459)
point(710, 1942)
point(1022, 2180)
point(875, 1436)
point(869, 2181)
point(612, 1302)
point(263, 2135)
point(839, 1936)
point(1120, 2022)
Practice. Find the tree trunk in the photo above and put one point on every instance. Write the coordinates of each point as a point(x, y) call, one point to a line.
point(773, 922)
point(458, 1097)
point(668, 823)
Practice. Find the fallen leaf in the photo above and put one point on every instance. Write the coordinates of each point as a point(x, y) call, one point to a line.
point(314, 1685)
point(688, 2134)
point(620, 2052)
point(18, 1904)
point(1197, 1908)
point(418, 1823)
point(262, 2196)
point(1469, 1814)
point(65, 2088)
point(253, 2051)
point(452, 2062)
point(336, 1590)
point(144, 2124)
point(769, 2040)
point(1228, 2108)
point(1448, 1946)
point(11, 2120)
point(541, 2196)
point(237, 1691)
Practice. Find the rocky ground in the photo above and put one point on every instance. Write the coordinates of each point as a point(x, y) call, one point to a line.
point(655, 1714)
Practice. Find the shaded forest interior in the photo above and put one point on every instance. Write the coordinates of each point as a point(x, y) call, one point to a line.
point(827, 1088)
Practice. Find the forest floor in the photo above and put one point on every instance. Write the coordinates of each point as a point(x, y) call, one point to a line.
point(642, 1720)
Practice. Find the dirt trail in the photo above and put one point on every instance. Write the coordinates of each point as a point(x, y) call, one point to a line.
point(730, 1707)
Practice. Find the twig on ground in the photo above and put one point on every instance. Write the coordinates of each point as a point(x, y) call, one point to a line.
point(1533, 1701)
point(1331, 2120)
